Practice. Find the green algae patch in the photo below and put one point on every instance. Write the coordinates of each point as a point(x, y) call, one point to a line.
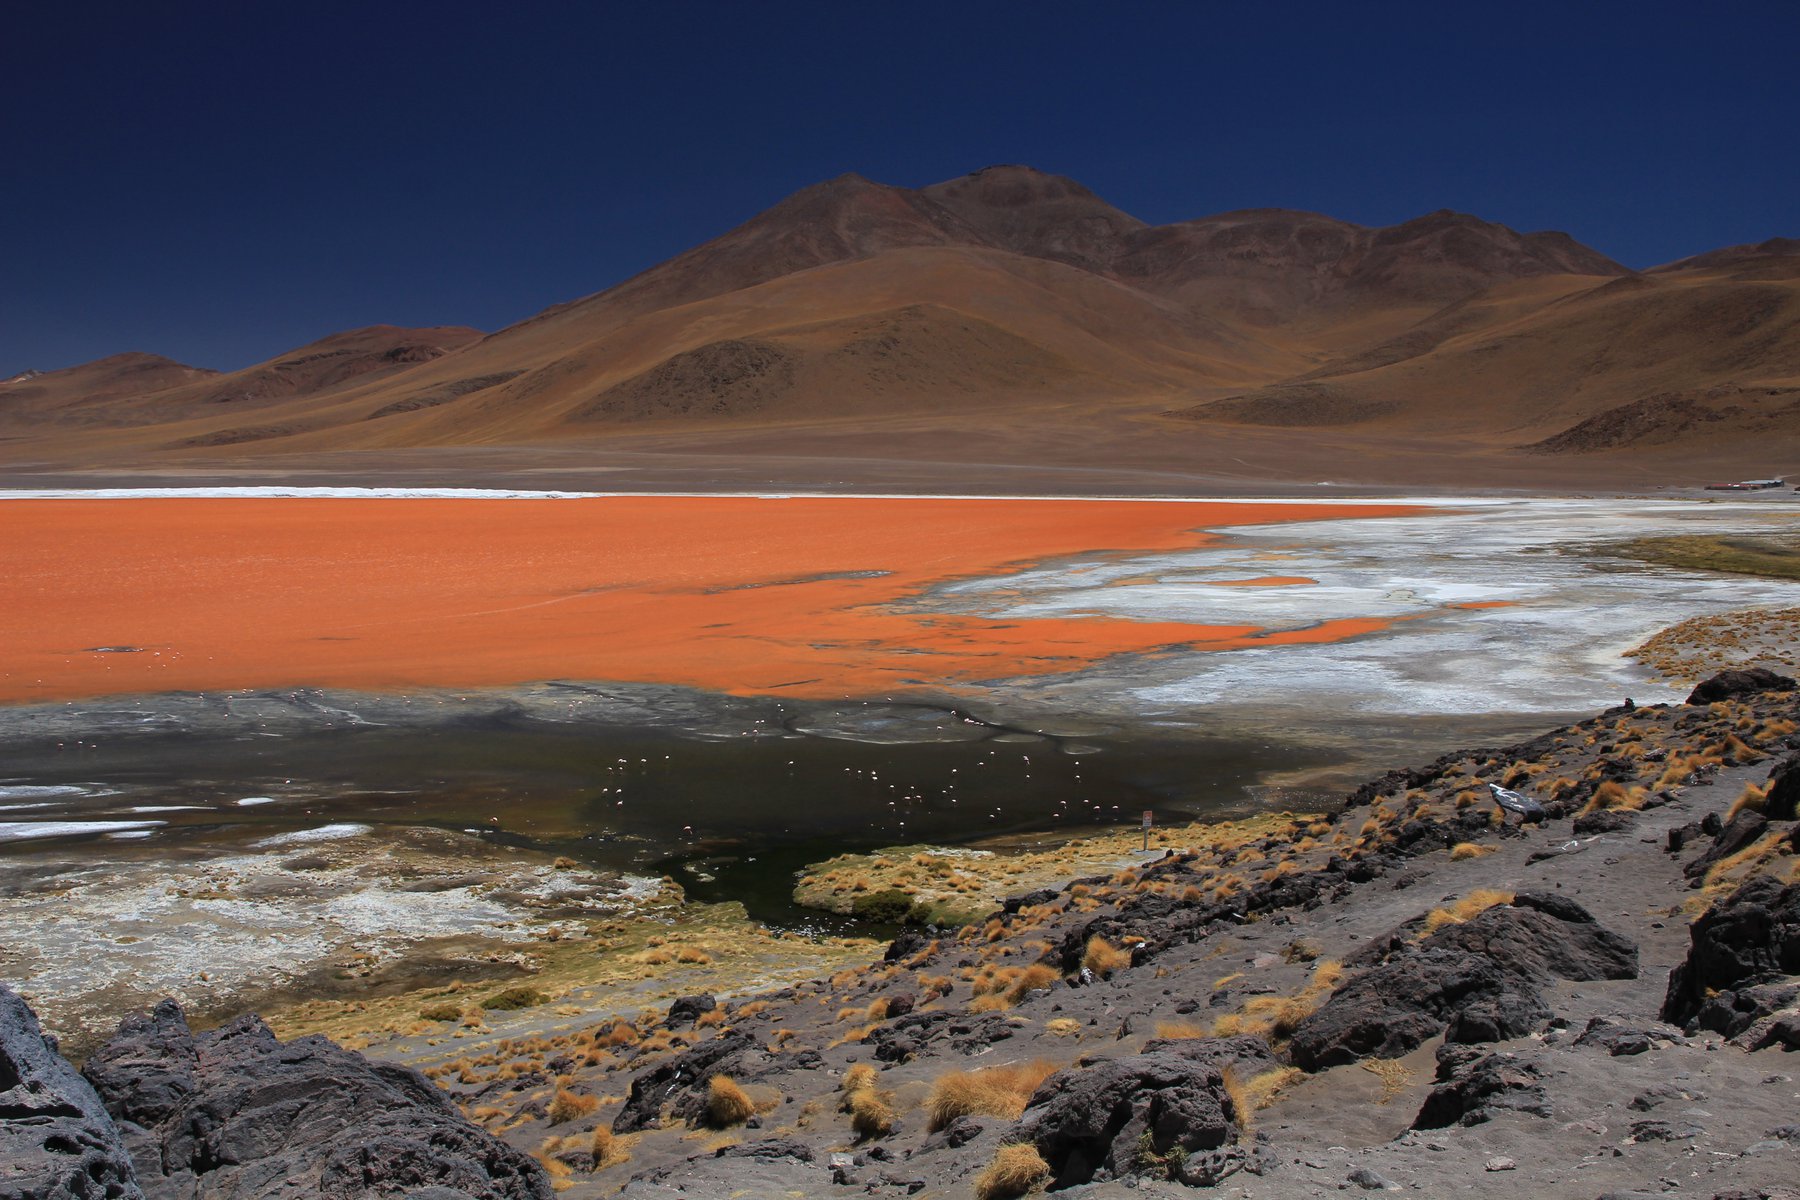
point(1769, 557)
point(947, 886)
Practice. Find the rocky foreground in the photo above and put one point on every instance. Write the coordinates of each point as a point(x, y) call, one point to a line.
point(1584, 985)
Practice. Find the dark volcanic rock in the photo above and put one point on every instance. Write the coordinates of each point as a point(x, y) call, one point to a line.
point(1744, 829)
point(1603, 820)
point(1750, 937)
point(1476, 981)
point(1472, 1085)
point(56, 1140)
point(1734, 1010)
point(1246, 1054)
point(148, 1070)
point(688, 1009)
point(235, 1113)
point(769, 1148)
point(1126, 1116)
point(1739, 682)
point(1783, 801)
point(681, 1081)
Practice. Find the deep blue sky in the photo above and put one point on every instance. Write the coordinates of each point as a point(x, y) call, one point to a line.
point(220, 182)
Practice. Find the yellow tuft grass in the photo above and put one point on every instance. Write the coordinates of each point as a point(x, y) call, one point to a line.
point(1103, 958)
point(569, 1106)
point(1260, 1091)
point(1752, 799)
point(609, 1149)
point(727, 1103)
point(858, 1077)
point(871, 1113)
point(1395, 1076)
point(1175, 1030)
point(996, 1092)
point(1614, 795)
point(1475, 903)
point(1016, 1168)
point(1466, 850)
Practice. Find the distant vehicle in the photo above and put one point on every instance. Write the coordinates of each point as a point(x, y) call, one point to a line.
point(1747, 485)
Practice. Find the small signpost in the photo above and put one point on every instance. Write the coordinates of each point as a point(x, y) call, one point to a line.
point(1148, 818)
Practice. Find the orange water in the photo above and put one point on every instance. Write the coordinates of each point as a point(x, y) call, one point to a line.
point(734, 594)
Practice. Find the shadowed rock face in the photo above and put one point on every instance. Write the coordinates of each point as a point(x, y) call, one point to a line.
point(235, 1113)
point(1162, 1113)
point(1476, 982)
point(56, 1141)
point(1750, 938)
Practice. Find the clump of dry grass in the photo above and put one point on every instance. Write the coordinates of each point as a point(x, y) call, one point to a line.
point(1276, 1017)
point(569, 1106)
point(1176, 1030)
point(859, 1076)
point(727, 1103)
point(1016, 1169)
point(1751, 799)
point(996, 1092)
point(1103, 958)
point(1062, 1027)
point(1467, 850)
point(1395, 1076)
point(871, 1113)
point(1475, 903)
point(1612, 794)
point(609, 1150)
point(1260, 1091)
point(853, 1035)
point(1006, 986)
point(696, 955)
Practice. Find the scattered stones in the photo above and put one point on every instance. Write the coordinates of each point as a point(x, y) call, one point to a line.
point(1663, 1093)
point(1619, 1039)
point(1500, 1162)
point(1371, 1181)
point(1665, 1131)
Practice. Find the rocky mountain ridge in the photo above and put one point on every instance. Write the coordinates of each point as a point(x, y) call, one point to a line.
point(960, 309)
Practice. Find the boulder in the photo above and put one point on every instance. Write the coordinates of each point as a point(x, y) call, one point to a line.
point(1475, 982)
point(688, 1009)
point(1732, 1011)
point(1744, 830)
point(1156, 1114)
point(1746, 681)
point(681, 1082)
point(1751, 937)
point(56, 1140)
point(1783, 800)
point(1472, 1085)
point(1246, 1054)
point(236, 1113)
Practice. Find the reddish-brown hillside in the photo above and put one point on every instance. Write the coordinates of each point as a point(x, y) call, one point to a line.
point(1016, 311)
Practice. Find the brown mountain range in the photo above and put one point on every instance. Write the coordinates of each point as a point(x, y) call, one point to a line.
point(1014, 319)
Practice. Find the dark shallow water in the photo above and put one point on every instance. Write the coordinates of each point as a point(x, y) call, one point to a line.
point(730, 817)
